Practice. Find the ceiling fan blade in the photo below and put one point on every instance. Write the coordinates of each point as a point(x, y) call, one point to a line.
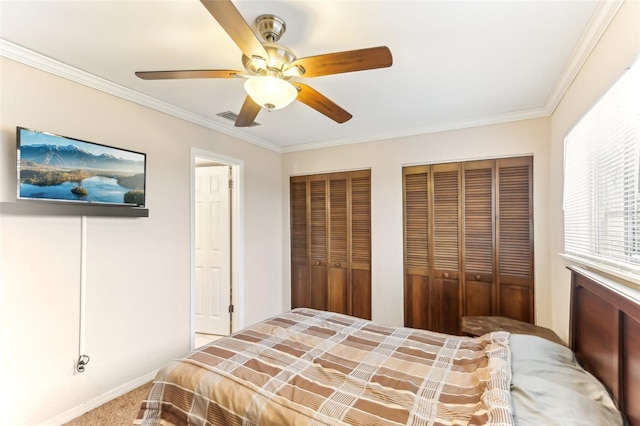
point(321, 103)
point(174, 75)
point(232, 22)
point(248, 113)
point(339, 62)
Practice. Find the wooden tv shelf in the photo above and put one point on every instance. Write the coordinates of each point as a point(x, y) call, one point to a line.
point(70, 209)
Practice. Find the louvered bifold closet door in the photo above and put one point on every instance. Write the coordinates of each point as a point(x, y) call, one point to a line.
point(300, 296)
point(416, 246)
point(338, 243)
point(446, 290)
point(480, 293)
point(360, 244)
point(318, 242)
point(468, 242)
point(331, 242)
point(515, 237)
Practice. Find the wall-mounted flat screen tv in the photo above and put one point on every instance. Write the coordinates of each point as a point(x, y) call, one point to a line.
point(58, 168)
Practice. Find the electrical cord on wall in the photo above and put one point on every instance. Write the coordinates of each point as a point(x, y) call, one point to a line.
point(83, 359)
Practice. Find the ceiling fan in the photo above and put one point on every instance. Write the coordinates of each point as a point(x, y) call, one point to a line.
point(270, 67)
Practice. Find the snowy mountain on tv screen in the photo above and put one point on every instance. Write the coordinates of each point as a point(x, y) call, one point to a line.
point(72, 156)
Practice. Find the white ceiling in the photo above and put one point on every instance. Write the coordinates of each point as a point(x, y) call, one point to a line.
point(455, 63)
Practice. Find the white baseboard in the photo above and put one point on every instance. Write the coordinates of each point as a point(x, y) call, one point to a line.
point(99, 400)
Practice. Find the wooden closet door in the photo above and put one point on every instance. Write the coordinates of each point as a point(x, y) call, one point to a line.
point(338, 291)
point(468, 242)
point(515, 237)
point(331, 242)
point(318, 242)
point(300, 295)
point(446, 290)
point(416, 246)
point(480, 295)
point(360, 243)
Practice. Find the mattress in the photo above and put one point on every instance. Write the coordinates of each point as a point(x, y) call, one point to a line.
point(308, 367)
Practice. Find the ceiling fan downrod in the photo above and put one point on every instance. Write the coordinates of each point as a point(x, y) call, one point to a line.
point(270, 28)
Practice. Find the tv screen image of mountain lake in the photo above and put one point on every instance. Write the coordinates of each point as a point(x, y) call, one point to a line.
point(56, 168)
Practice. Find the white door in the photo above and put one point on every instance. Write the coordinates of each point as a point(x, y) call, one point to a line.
point(212, 250)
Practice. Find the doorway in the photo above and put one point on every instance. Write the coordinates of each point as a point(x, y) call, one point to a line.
point(215, 237)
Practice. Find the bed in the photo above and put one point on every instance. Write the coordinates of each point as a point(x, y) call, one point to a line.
point(309, 367)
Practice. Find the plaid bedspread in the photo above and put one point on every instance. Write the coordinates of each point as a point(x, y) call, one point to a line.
point(308, 367)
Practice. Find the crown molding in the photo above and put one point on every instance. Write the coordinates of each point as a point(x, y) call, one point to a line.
point(423, 130)
point(598, 24)
point(36, 60)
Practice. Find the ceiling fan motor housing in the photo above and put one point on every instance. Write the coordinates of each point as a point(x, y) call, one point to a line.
point(279, 59)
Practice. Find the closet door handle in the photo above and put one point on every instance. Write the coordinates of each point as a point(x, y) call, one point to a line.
point(337, 265)
point(478, 277)
point(318, 262)
point(446, 275)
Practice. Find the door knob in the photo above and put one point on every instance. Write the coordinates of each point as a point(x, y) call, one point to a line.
point(478, 277)
point(337, 265)
point(318, 262)
point(446, 275)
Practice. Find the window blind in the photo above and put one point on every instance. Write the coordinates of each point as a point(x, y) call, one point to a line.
point(602, 179)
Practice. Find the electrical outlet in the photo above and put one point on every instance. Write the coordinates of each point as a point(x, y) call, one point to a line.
point(81, 363)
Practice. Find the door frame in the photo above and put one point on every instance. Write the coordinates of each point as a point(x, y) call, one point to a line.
point(237, 237)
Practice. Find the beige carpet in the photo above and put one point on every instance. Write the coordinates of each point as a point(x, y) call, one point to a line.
point(117, 412)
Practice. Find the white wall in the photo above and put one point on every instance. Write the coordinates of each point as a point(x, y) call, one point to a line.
point(616, 50)
point(386, 158)
point(138, 270)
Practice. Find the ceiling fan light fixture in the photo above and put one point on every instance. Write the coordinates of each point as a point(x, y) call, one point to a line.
point(270, 92)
